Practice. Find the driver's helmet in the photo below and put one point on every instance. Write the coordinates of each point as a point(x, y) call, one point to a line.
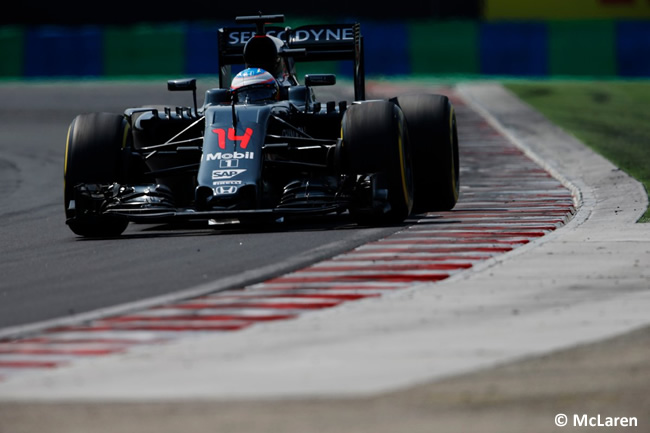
point(254, 85)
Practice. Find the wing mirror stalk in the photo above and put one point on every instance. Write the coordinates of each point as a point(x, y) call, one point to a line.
point(184, 84)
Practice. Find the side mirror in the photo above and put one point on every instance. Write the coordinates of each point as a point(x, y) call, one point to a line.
point(320, 80)
point(184, 84)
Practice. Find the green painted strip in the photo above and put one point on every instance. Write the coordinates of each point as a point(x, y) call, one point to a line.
point(582, 48)
point(12, 51)
point(144, 49)
point(450, 48)
point(444, 47)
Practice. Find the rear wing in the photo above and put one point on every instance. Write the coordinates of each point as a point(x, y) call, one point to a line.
point(322, 42)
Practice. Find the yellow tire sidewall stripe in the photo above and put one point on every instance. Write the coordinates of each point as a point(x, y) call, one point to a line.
point(402, 163)
point(67, 151)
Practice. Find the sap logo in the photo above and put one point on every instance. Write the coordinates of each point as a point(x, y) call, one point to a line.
point(225, 190)
point(226, 174)
point(234, 155)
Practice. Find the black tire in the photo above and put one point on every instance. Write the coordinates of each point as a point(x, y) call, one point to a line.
point(93, 155)
point(375, 142)
point(433, 134)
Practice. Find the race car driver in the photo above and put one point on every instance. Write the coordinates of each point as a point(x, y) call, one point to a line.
point(254, 86)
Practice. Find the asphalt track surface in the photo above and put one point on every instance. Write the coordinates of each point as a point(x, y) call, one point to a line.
point(51, 274)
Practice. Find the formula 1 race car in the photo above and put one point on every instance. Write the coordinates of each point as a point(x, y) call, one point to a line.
point(261, 147)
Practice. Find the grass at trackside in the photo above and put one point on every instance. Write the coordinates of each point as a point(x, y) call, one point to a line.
point(612, 117)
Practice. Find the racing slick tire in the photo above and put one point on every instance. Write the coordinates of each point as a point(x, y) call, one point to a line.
point(433, 134)
point(375, 143)
point(93, 156)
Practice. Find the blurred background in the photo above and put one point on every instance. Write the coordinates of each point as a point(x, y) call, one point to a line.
point(587, 38)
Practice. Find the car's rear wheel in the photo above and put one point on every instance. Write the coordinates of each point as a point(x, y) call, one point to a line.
point(434, 142)
point(375, 144)
point(93, 156)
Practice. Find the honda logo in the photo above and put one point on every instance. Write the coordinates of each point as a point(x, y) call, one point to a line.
point(225, 190)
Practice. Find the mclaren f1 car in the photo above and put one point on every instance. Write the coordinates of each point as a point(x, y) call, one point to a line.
point(262, 147)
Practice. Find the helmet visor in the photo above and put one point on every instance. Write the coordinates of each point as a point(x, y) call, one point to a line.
point(256, 94)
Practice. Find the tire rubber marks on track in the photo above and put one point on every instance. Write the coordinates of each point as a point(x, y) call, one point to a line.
point(506, 201)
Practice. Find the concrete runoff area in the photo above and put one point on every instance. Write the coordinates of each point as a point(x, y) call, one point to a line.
point(505, 360)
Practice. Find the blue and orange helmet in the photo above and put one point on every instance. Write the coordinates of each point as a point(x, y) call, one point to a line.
point(254, 85)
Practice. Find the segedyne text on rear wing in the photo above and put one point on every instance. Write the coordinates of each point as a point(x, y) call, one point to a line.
point(316, 42)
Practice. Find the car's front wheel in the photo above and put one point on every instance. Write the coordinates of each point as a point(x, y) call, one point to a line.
point(375, 146)
point(93, 156)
